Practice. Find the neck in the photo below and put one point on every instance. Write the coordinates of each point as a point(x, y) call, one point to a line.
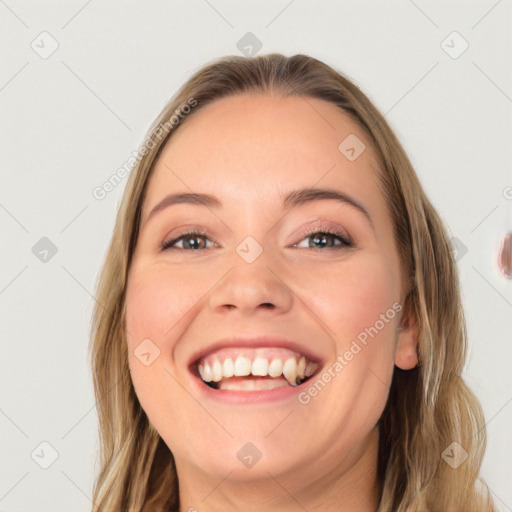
point(350, 485)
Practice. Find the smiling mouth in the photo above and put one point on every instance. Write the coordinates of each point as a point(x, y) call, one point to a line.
point(254, 369)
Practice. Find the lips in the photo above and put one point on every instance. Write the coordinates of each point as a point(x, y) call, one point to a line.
point(254, 364)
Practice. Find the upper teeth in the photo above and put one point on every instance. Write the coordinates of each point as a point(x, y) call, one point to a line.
point(292, 370)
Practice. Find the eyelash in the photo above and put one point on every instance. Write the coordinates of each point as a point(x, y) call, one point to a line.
point(346, 242)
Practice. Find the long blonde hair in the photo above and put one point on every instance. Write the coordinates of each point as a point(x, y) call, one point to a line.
point(429, 407)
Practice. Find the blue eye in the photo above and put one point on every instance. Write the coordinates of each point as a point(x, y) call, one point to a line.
point(197, 241)
point(320, 239)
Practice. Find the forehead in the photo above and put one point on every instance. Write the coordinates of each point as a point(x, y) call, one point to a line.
point(255, 147)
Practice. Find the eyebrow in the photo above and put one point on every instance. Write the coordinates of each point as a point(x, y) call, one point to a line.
point(293, 198)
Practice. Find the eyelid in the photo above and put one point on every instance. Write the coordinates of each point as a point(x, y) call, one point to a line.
point(183, 232)
point(317, 226)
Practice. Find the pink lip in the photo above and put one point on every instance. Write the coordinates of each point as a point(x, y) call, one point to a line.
point(246, 397)
point(254, 342)
point(249, 397)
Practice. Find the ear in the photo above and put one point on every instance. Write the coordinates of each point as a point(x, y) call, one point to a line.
point(406, 351)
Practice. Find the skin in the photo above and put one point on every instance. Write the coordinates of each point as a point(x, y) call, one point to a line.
point(249, 151)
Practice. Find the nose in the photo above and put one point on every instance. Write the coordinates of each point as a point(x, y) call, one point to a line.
point(254, 286)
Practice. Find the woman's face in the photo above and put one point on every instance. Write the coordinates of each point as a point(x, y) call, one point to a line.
point(263, 283)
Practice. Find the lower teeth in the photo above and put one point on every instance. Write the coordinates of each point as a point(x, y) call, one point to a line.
point(250, 383)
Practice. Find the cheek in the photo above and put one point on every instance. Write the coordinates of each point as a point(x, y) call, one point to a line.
point(359, 305)
point(356, 304)
point(157, 299)
point(353, 297)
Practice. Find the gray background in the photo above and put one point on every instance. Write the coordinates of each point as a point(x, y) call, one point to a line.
point(70, 119)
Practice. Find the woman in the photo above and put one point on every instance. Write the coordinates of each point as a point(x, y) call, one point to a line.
point(279, 322)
